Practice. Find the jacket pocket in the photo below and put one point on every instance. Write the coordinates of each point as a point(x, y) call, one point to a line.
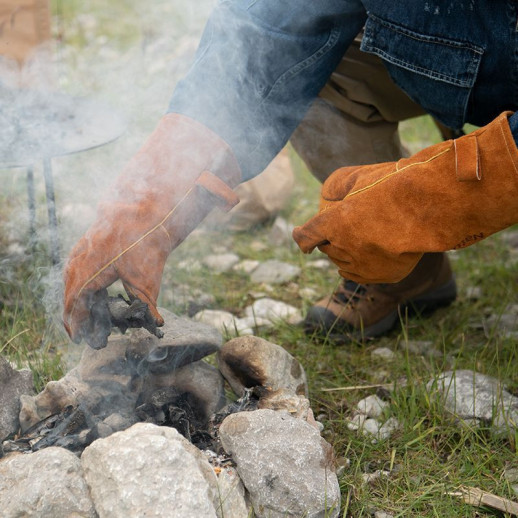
point(436, 72)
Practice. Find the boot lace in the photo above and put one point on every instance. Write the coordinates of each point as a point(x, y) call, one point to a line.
point(350, 293)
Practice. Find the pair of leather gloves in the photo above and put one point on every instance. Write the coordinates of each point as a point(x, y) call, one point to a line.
point(375, 221)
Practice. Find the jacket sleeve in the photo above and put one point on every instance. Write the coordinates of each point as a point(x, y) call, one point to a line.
point(259, 65)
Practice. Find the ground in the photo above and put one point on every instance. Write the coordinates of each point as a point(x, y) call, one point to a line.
point(129, 55)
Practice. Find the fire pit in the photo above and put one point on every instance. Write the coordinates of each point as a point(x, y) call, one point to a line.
point(139, 388)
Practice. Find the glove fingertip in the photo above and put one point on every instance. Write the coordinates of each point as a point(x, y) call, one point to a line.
point(304, 239)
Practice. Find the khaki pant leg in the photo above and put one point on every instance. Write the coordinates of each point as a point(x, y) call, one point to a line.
point(354, 120)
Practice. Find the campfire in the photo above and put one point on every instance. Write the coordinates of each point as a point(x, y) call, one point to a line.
point(166, 382)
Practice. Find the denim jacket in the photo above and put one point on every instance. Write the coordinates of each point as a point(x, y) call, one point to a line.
point(260, 63)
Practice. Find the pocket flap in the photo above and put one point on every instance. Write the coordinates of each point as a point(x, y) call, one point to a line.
point(442, 59)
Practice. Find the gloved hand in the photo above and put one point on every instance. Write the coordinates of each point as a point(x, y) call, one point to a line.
point(376, 221)
point(170, 185)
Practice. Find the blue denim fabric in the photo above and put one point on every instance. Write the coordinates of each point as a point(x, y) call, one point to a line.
point(513, 124)
point(260, 63)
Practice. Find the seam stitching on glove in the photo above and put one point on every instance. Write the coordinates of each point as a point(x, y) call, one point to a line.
point(397, 171)
point(127, 249)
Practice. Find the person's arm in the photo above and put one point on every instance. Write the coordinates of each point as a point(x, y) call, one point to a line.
point(259, 65)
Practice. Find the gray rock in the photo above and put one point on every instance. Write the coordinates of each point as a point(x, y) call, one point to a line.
point(368, 478)
point(232, 497)
point(246, 266)
point(255, 322)
point(274, 311)
point(356, 422)
point(149, 470)
point(285, 400)
point(371, 426)
point(319, 264)
point(190, 265)
point(280, 232)
point(184, 341)
point(473, 396)
point(511, 475)
point(383, 352)
point(372, 406)
point(224, 321)
point(52, 399)
point(202, 381)
point(108, 365)
point(388, 428)
point(117, 422)
point(249, 361)
point(275, 272)
point(506, 323)
point(13, 384)
point(46, 483)
point(220, 263)
point(287, 468)
point(420, 347)
point(110, 380)
point(309, 294)
point(102, 380)
point(184, 295)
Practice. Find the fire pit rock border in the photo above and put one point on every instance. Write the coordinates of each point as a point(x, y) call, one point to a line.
point(264, 451)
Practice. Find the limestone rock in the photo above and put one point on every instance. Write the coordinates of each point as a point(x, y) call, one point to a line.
point(232, 497)
point(474, 396)
point(55, 396)
point(246, 266)
point(275, 272)
point(383, 353)
point(372, 406)
point(224, 321)
point(275, 311)
point(184, 341)
point(280, 232)
point(102, 380)
point(149, 471)
point(13, 384)
point(506, 323)
point(249, 361)
point(220, 263)
point(46, 483)
point(287, 468)
point(284, 399)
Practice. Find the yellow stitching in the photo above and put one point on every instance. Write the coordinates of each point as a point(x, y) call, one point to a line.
point(395, 172)
point(166, 233)
point(107, 265)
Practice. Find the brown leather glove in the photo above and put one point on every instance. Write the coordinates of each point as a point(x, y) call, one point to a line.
point(170, 185)
point(376, 221)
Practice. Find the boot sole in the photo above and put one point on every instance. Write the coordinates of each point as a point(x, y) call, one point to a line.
point(441, 297)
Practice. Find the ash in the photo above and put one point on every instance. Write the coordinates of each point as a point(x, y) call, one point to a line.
point(75, 428)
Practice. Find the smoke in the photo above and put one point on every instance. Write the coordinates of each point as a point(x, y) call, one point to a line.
point(108, 71)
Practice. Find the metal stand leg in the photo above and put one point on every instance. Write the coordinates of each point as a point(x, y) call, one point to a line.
point(51, 209)
point(32, 207)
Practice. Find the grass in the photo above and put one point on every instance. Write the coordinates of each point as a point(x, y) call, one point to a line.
point(429, 455)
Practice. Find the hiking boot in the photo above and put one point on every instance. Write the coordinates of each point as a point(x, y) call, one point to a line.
point(370, 310)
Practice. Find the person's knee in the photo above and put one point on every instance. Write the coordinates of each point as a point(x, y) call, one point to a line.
point(328, 139)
